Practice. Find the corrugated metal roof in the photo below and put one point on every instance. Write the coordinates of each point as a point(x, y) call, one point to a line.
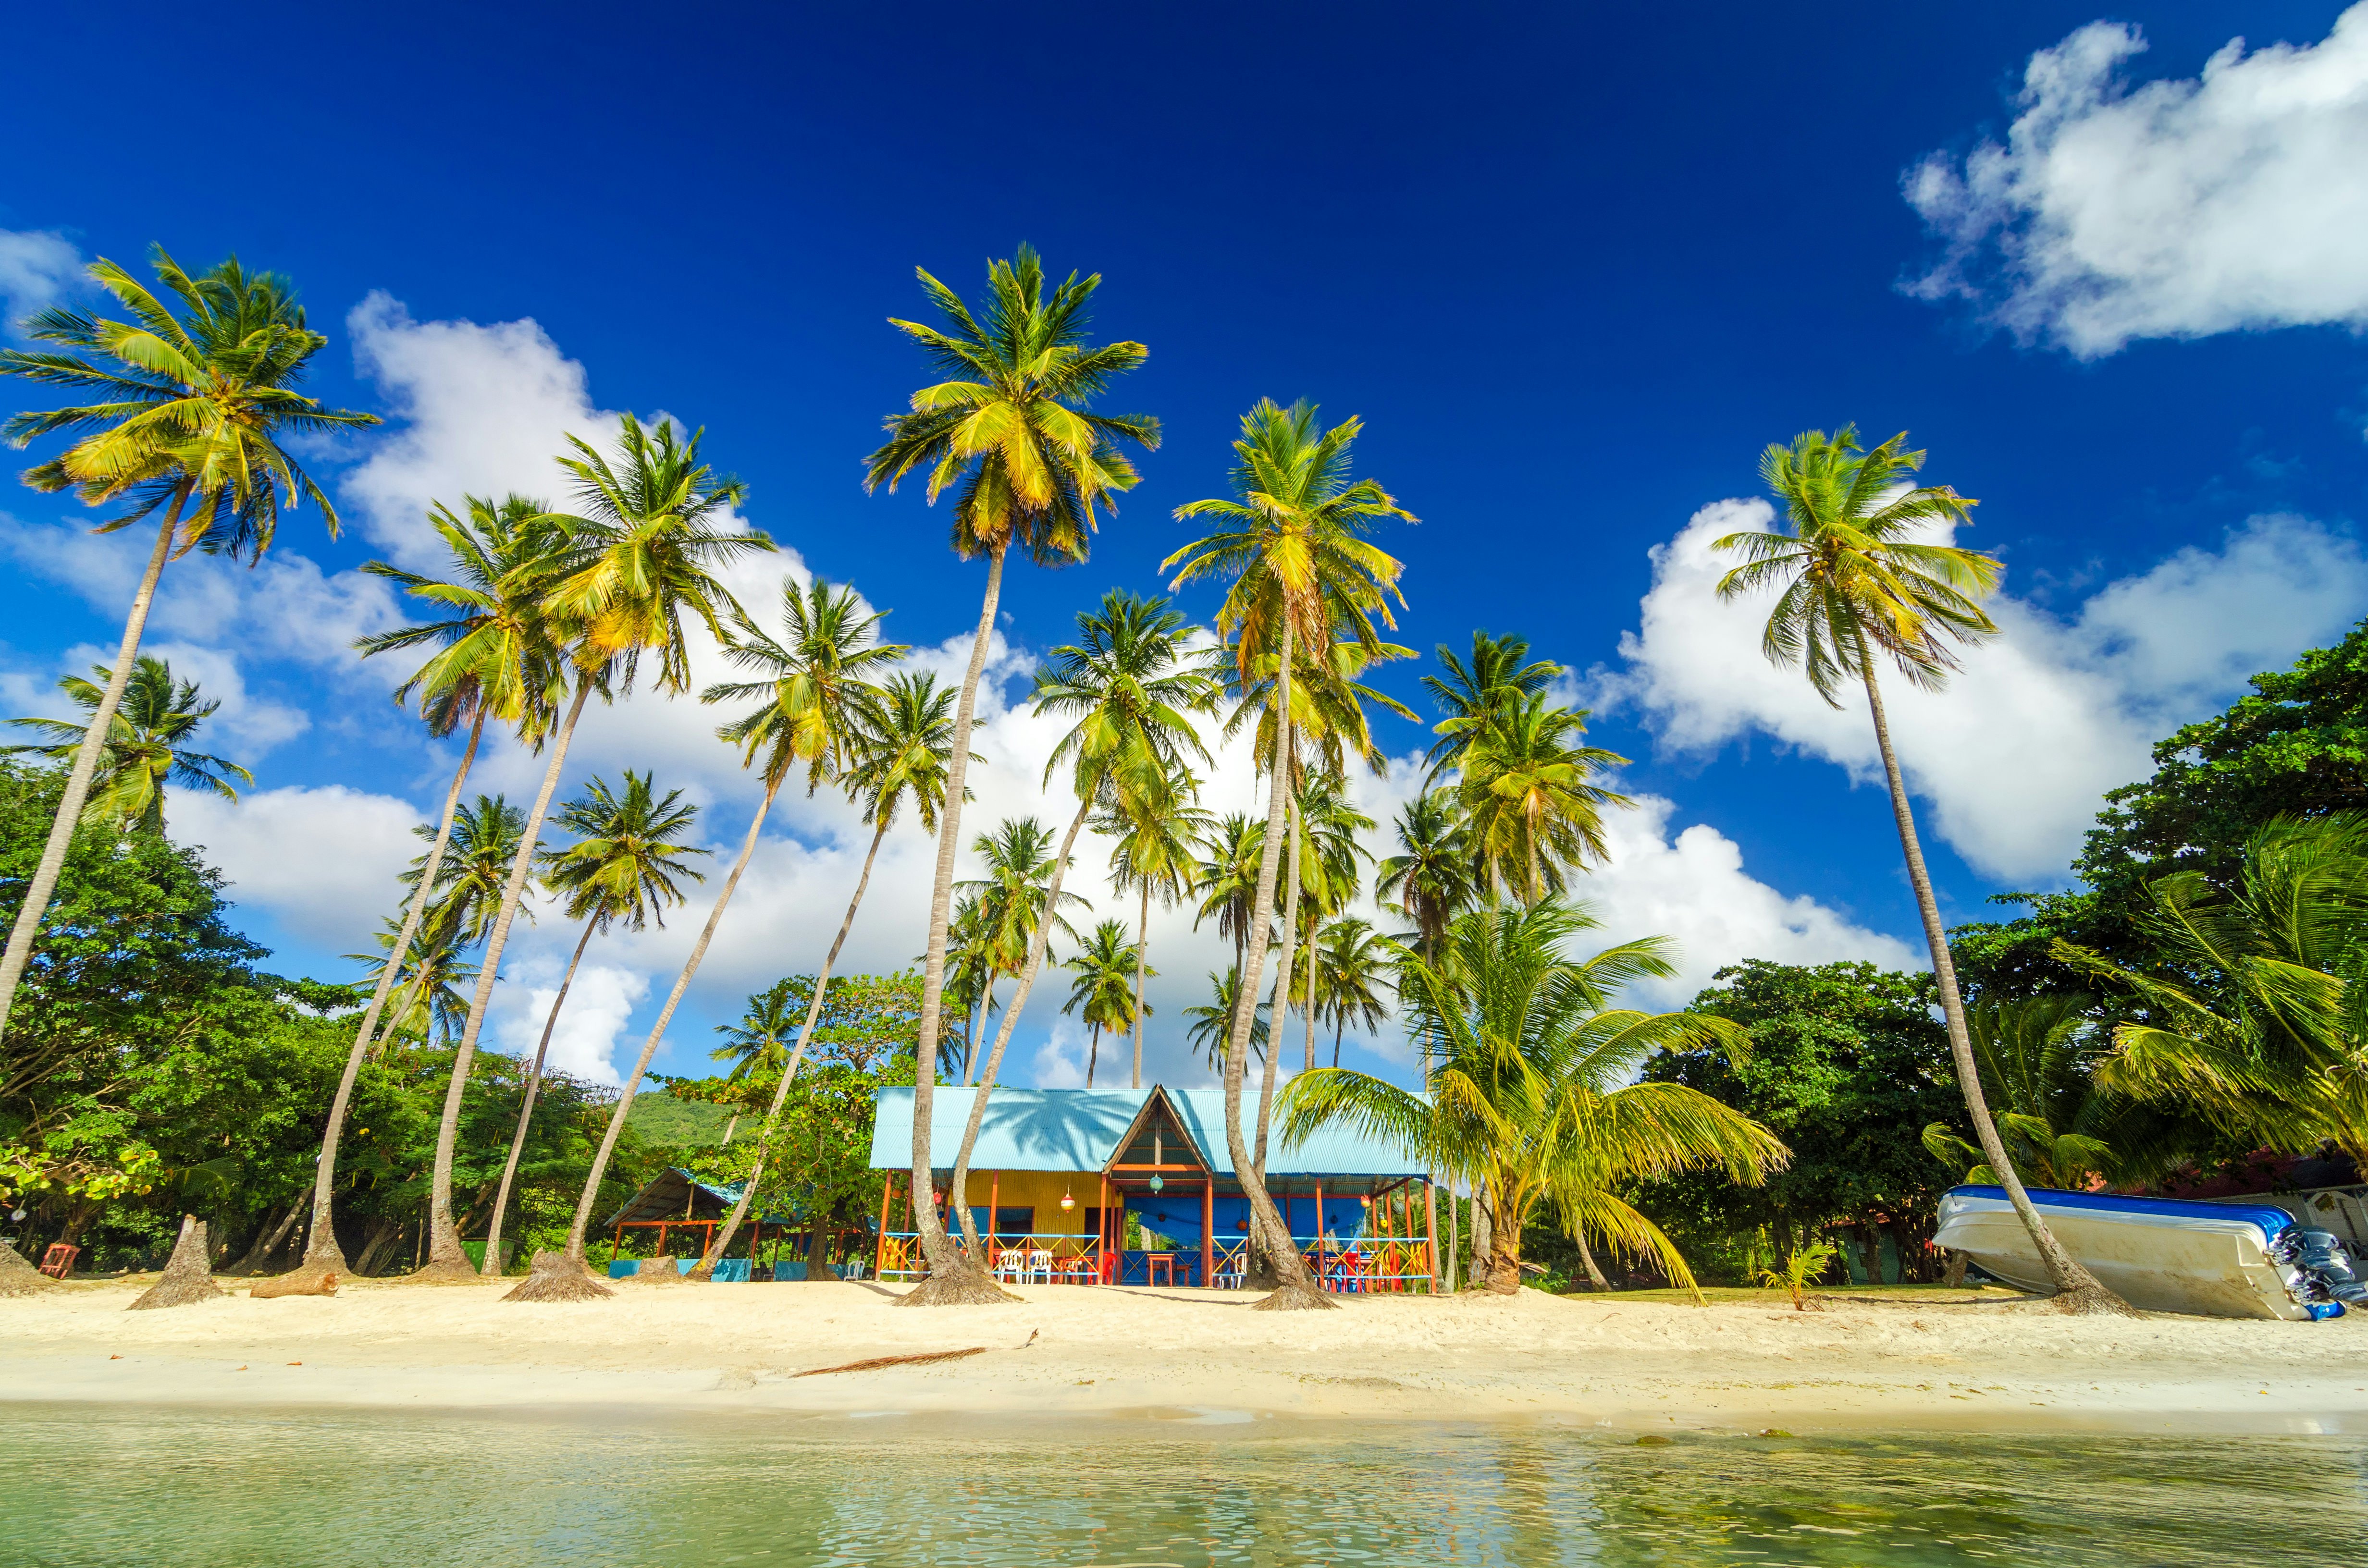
point(667, 1194)
point(1077, 1129)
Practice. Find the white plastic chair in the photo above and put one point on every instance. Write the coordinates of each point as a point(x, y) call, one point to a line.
point(1010, 1264)
point(1039, 1267)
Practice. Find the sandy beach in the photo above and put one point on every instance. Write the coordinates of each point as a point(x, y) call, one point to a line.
point(1989, 1361)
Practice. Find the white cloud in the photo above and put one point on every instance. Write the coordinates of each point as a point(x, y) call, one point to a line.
point(601, 1004)
point(322, 860)
point(2012, 758)
point(2177, 209)
point(36, 267)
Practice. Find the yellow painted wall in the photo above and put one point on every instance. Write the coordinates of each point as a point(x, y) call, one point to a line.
point(1042, 1190)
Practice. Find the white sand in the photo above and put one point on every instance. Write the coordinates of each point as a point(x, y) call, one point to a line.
point(1997, 1363)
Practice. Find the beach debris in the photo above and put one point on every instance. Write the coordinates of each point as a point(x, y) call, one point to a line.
point(558, 1278)
point(302, 1283)
point(665, 1270)
point(878, 1361)
point(1031, 1337)
point(188, 1274)
point(19, 1277)
point(1654, 1440)
point(295, 1363)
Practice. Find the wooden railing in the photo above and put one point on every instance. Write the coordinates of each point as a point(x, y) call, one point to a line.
point(1067, 1259)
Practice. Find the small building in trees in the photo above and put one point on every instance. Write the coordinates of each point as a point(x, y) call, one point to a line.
point(1135, 1186)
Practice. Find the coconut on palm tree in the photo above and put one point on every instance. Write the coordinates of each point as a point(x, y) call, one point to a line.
point(1103, 993)
point(191, 409)
point(1860, 583)
point(1530, 1098)
point(626, 868)
point(146, 749)
point(1009, 432)
point(1302, 575)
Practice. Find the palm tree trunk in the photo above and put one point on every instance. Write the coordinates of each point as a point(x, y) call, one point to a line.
point(1296, 1289)
point(445, 1259)
point(1141, 959)
point(1587, 1261)
point(724, 1234)
point(1340, 1024)
point(492, 1265)
point(657, 1031)
point(1307, 1003)
point(2076, 1290)
point(1279, 1014)
point(51, 865)
point(954, 1277)
point(1093, 1053)
point(971, 1058)
point(322, 1253)
point(959, 1192)
point(1483, 1242)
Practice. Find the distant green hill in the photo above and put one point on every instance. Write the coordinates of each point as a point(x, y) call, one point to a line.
point(665, 1120)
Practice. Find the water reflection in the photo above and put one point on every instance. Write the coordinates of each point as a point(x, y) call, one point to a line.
point(108, 1486)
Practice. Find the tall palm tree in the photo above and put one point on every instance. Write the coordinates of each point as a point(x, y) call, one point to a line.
point(1211, 1025)
point(626, 868)
point(1353, 964)
point(467, 893)
point(1524, 783)
point(1856, 586)
point(652, 525)
point(1132, 682)
point(1009, 434)
point(495, 659)
point(971, 970)
point(1156, 837)
point(1529, 1069)
point(1330, 881)
point(1227, 881)
point(1009, 906)
point(1291, 541)
point(880, 742)
point(1104, 989)
point(1430, 881)
point(146, 745)
point(1500, 671)
point(760, 1043)
point(433, 966)
point(191, 409)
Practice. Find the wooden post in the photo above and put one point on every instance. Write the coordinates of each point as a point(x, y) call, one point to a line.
point(994, 1198)
point(1430, 1229)
point(1319, 1235)
point(1209, 1233)
point(880, 1248)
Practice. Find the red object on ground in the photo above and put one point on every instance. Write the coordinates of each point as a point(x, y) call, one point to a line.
point(58, 1261)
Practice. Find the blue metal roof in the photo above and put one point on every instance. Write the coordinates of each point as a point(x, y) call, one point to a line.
point(1079, 1130)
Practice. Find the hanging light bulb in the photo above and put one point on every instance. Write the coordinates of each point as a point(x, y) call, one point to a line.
point(1068, 1202)
point(1158, 1185)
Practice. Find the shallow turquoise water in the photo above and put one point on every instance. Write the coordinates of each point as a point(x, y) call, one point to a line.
point(107, 1486)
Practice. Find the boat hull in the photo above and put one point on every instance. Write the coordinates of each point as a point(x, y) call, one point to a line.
point(2158, 1255)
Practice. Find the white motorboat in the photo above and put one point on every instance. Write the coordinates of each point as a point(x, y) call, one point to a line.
point(2162, 1254)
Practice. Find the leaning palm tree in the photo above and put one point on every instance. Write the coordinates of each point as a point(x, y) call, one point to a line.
point(191, 411)
point(626, 868)
point(1857, 586)
point(1530, 1098)
point(652, 527)
point(1009, 434)
point(146, 745)
point(1353, 965)
point(1430, 879)
point(495, 659)
point(1532, 811)
point(1301, 575)
point(825, 676)
point(1103, 992)
point(1155, 838)
point(1331, 879)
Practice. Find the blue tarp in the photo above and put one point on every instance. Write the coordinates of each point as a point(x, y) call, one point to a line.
point(728, 1270)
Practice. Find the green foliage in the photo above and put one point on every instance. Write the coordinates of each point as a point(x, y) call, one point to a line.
point(1802, 1265)
point(1847, 1066)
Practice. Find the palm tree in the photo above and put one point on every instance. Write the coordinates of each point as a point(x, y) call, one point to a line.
point(190, 415)
point(1353, 964)
point(1857, 586)
point(467, 893)
point(881, 742)
point(431, 971)
point(1301, 576)
point(146, 746)
point(1212, 1023)
point(624, 869)
point(971, 970)
point(1522, 781)
point(1328, 884)
point(651, 528)
point(1529, 1069)
point(1104, 989)
point(1009, 434)
point(760, 1043)
point(1228, 879)
point(1500, 672)
point(1430, 881)
point(495, 659)
point(1156, 837)
point(2038, 1058)
point(1007, 907)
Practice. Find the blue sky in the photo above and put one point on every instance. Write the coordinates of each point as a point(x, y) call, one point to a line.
point(1573, 270)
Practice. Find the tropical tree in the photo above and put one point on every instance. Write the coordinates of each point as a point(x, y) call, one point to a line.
point(466, 894)
point(1211, 1024)
point(1301, 576)
point(192, 407)
point(1353, 964)
point(146, 745)
point(1226, 880)
point(1007, 906)
point(1523, 781)
point(2038, 1059)
point(971, 970)
point(494, 658)
point(758, 1045)
point(1103, 993)
point(1500, 673)
point(1528, 1068)
point(651, 528)
point(1857, 585)
point(1330, 877)
point(1153, 854)
point(1009, 434)
point(626, 868)
point(432, 968)
point(1430, 879)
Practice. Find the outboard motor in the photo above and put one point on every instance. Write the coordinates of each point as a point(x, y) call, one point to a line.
point(2321, 1255)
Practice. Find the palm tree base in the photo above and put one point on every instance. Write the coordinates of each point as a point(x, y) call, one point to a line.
point(2090, 1299)
point(19, 1277)
point(558, 1278)
point(963, 1285)
point(443, 1271)
point(304, 1279)
point(189, 1276)
point(1295, 1297)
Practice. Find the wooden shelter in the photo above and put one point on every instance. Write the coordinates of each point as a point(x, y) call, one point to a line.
point(674, 1200)
point(1056, 1173)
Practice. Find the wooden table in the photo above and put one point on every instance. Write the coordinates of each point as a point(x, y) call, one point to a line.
point(1154, 1264)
